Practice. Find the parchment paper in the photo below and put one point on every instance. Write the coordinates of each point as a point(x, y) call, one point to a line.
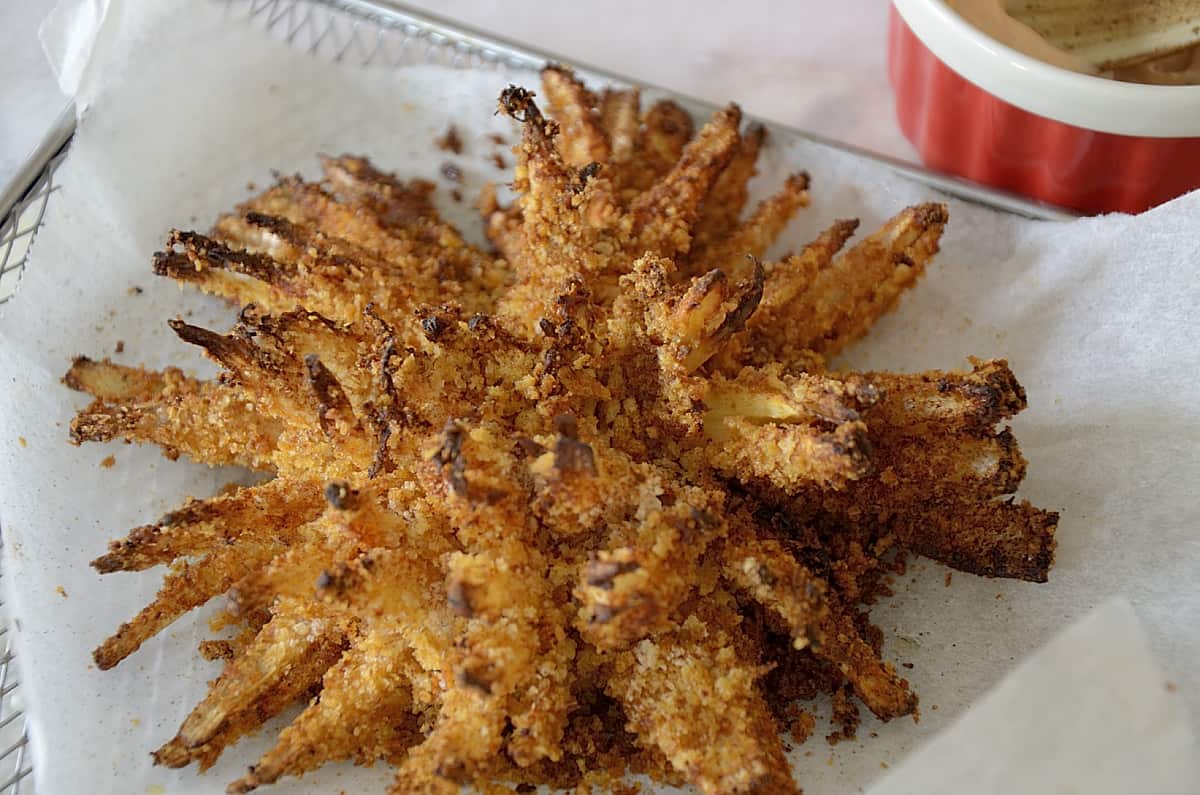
point(1041, 731)
point(185, 107)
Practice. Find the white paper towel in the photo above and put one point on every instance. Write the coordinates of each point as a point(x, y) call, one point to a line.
point(1088, 713)
point(186, 105)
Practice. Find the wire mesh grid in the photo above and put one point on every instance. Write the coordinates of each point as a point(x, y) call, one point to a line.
point(360, 32)
point(15, 763)
point(376, 34)
point(20, 226)
point(17, 232)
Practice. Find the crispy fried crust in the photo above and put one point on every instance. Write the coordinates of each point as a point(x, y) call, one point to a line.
point(944, 476)
point(301, 676)
point(750, 239)
point(722, 207)
point(664, 686)
point(187, 587)
point(205, 421)
point(630, 592)
point(203, 526)
point(874, 681)
point(666, 130)
point(549, 515)
point(793, 431)
point(949, 401)
point(583, 138)
point(766, 571)
point(845, 297)
point(364, 713)
point(993, 539)
point(664, 213)
point(279, 651)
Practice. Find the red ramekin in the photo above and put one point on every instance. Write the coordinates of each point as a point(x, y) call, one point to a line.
point(974, 107)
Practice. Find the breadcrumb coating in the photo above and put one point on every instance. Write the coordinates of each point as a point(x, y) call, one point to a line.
point(586, 504)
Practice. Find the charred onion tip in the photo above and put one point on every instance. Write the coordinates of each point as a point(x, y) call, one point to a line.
point(518, 103)
point(566, 425)
point(931, 214)
point(339, 494)
point(433, 328)
point(757, 281)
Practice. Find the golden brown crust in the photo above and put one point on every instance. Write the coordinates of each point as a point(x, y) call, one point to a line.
point(666, 685)
point(204, 420)
point(364, 713)
point(664, 213)
point(299, 679)
point(202, 526)
point(750, 239)
point(550, 517)
point(620, 113)
point(666, 130)
point(279, 652)
point(583, 139)
point(186, 588)
point(722, 207)
point(843, 298)
point(992, 539)
point(874, 681)
point(775, 579)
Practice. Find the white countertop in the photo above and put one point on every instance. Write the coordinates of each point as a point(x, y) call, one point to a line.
point(813, 65)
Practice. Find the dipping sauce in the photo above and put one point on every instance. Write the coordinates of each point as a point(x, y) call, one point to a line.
point(991, 17)
point(1176, 69)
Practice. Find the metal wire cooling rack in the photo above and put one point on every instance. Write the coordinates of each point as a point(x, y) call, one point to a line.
point(27, 202)
point(374, 33)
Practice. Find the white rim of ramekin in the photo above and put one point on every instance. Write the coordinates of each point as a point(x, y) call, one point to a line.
point(1094, 103)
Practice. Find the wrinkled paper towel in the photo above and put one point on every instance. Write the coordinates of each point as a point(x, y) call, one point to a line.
point(186, 102)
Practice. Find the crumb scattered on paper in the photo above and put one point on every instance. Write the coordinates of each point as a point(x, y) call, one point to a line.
point(108, 461)
point(845, 716)
point(216, 650)
point(61, 591)
point(450, 141)
point(800, 725)
point(21, 441)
